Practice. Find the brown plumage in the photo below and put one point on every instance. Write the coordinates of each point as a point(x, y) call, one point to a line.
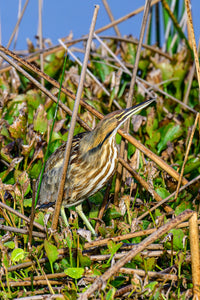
point(93, 161)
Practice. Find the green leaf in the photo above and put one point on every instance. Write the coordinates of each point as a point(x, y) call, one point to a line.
point(183, 206)
point(162, 192)
point(51, 251)
point(10, 244)
point(111, 293)
point(27, 202)
point(17, 255)
point(75, 273)
point(40, 120)
point(178, 236)
point(192, 164)
point(169, 133)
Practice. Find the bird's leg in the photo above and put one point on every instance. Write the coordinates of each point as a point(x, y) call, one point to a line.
point(79, 210)
point(64, 216)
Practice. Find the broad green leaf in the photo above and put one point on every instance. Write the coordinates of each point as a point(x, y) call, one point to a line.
point(54, 62)
point(51, 251)
point(75, 273)
point(102, 69)
point(178, 236)
point(169, 133)
point(40, 120)
point(162, 192)
point(85, 261)
point(34, 172)
point(10, 244)
point(192, 164)
point(183, 206)
point(111, 293)
point(150, 263)
point(17, 255)
point(27, 202)
point(118, 281)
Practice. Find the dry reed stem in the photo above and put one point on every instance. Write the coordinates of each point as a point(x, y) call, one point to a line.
point(126, 17)
point(195, 257)
point(191, 29)
point(124, 144)
point(40, 38)
point(150, 274)
point(33, 263)
point(186, 155)
point(120, 255)
point(17, 24)
point(43, 297)
point(73, 123)
point(22, 231)
point(138, 248)
point(109, 12)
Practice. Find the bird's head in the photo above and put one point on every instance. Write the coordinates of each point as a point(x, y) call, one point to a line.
point(109, 125)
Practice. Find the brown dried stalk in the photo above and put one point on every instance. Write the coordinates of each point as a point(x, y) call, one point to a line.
point(195, 257)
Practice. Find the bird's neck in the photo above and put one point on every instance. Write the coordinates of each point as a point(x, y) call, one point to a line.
point(93, 146)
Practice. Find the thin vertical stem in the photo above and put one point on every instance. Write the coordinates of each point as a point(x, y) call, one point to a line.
point(73, 122)
point(40, 38)
point(105, 3)
point(123, 151)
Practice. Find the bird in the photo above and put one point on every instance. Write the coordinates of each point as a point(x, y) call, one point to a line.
point(93, 161)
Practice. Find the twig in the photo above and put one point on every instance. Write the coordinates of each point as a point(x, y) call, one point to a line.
point(195, 257)
point(40, 37)
point(105, 3)
point(17, 24)
point(126, 17)
point(22, 231)
point(186, 155)
point(120, 255)
point(129, 256)
point(72, 125)
point(150, 274)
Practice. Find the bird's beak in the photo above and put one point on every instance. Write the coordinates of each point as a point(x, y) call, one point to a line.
point(127, 113)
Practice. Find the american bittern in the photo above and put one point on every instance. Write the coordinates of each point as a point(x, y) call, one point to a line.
point(92, 163)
